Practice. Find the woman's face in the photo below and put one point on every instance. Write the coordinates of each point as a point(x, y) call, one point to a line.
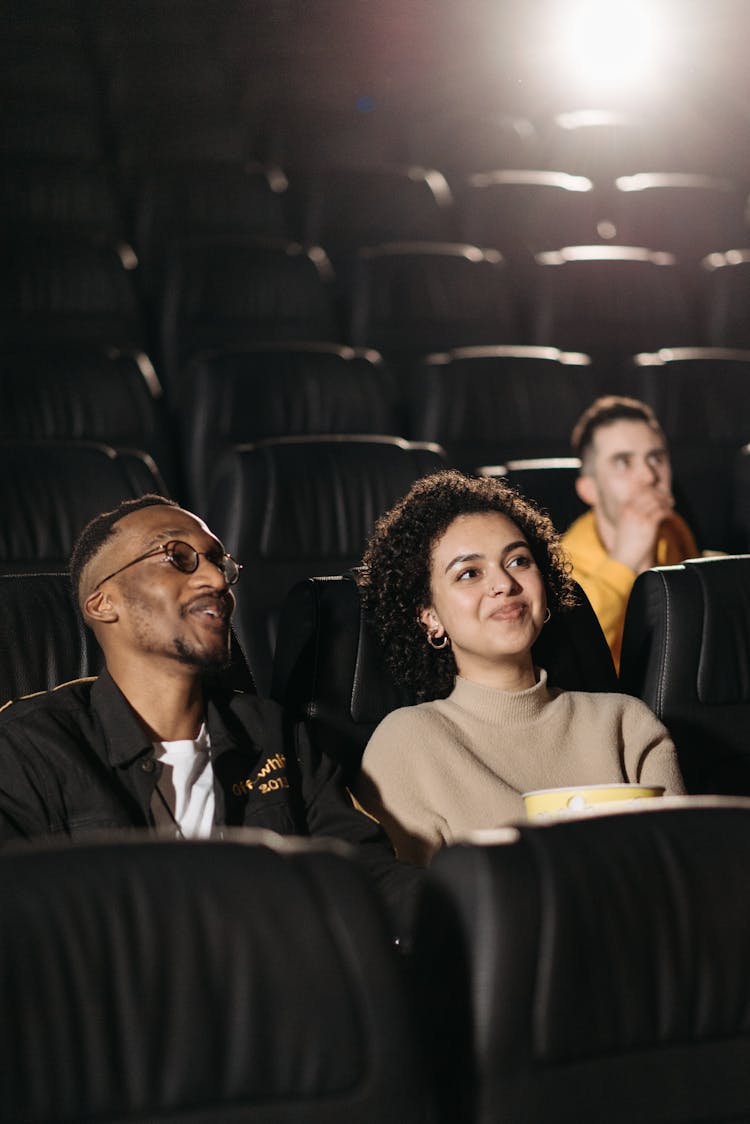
point(488, 596)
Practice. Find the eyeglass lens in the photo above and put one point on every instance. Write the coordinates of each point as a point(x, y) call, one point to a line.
point(185, 558)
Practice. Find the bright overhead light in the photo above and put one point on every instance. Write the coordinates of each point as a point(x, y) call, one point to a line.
point(606, 44)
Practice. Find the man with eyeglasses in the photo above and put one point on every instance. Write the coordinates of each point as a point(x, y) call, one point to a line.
point(156, 741)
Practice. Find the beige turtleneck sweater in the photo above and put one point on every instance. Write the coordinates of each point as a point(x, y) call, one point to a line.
point(432, 773)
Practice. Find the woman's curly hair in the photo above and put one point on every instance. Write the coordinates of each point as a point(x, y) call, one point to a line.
point(395, 581)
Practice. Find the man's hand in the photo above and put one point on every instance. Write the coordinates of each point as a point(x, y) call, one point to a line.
point(638, 528)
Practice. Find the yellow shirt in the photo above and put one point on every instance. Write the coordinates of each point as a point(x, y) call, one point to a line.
point(606, 582)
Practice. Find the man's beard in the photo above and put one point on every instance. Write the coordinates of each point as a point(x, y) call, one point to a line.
point(201, 659)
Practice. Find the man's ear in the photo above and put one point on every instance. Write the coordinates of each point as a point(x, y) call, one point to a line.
point(587, 490)
point(432, 623)
point(98, 608)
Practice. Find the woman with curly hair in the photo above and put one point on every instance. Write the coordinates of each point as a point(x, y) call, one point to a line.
point(461, 576)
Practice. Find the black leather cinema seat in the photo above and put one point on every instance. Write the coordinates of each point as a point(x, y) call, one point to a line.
point(701, 396)
point(212, 982)
point(686, 653)
point(67, 290)
point(45, 641)
point(294, 507)
point(726, 290)
point(49, 491)
point(487, 404)
point(87, 394)
point(550, 482)
point(229, 292)
point(329, 668)
point(282, 390)
point(413, 298)
point(688, 215)
point(205, 197)
point(610, 301)
point(522, 211)
point(592, 970)
point(345, 208)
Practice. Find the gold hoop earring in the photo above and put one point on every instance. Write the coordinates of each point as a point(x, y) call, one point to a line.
point(547, 616)
point(444, 642)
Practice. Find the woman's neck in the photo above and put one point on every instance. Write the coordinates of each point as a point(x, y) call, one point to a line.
point(508, 676)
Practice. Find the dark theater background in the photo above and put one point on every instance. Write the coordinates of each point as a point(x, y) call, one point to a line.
point(277, 259)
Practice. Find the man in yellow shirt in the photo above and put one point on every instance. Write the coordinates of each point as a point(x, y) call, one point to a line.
point(626, 479)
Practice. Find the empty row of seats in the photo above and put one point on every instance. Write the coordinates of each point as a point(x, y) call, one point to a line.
point(518, 211)
point(404, 299)
point(485, 406)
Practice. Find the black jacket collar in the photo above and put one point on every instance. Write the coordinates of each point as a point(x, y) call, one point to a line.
point(125, 738)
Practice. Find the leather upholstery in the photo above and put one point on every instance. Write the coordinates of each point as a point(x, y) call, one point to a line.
point(50, 490)
point(45, 641)
point(65, 290)
point(233, 397)
point(210, 982)
point(485, 405)
point(293, 507)
point(592, 970)
point(412, 298)
point(610, 301)
point(686, 653)
point(231, 292)
point(87, 394)
point(329, 667)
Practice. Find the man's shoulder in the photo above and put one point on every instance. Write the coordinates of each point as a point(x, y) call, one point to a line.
point(580, 530)
point(66, 699)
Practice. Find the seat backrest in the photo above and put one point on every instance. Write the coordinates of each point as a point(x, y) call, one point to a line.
point(610, 301)
point(223, 293)
point(550, 482)
point(741, 495)
point(519, 210)
point(214, 197)
point(697, 393)
point(600, 143)
point(592, 970)
point(87, 394)
point(244, 980)
point(686, 653)
point(49, 129)
point(45, 641)
point(485, 405)
point(67, 290)
point(726, 291)
point(345, 208)
point(462, 139)
point(413, 298)
point(54, 197)
point(49, 490)
point(238, 397)
point(291, 508)
point(688, 215)
point(329, 666)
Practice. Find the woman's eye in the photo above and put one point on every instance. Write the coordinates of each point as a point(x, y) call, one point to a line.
point(521, 560)
point(470, 573)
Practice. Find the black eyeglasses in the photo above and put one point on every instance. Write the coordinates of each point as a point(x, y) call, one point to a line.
point(185, 558)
